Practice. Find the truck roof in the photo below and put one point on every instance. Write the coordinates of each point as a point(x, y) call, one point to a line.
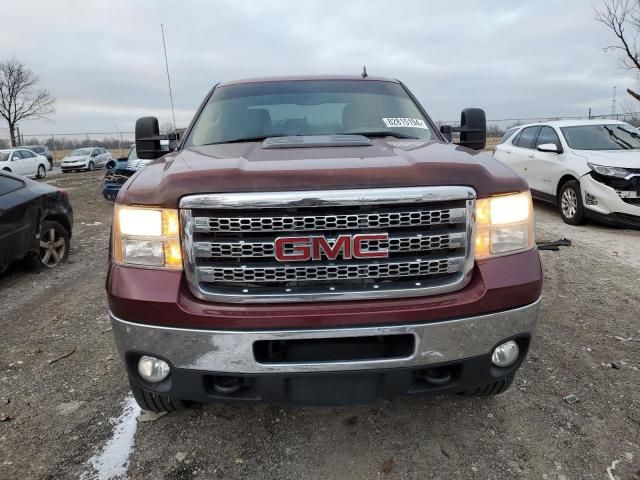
point(297, 78)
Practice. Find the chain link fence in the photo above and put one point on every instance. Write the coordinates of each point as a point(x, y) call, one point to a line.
point(61, 144)
point(118, 143)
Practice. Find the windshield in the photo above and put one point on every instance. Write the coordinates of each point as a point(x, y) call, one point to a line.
point(253, 111)
point(80, 152)
point(602, 137)
point(4, 156)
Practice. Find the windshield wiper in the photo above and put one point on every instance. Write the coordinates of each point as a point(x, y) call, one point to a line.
point(625, 145)
point(380, 134)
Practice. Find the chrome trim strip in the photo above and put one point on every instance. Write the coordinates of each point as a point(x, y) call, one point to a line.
point(369, 197)
point(231, 351)
point(326, 198)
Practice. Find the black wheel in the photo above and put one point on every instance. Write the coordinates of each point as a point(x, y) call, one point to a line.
point(91, 167)
point(494, 388)
point(66, 171)
point(570, 203)
point(156, 403)
point(54, 245)
point(42, 172)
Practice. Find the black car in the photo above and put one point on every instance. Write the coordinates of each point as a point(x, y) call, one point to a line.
point(35, 222)
point(41, 150)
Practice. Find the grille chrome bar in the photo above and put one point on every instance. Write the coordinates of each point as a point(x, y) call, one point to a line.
point(329, 222)
point(378, 270)
point(403, 243)
point(431, 244)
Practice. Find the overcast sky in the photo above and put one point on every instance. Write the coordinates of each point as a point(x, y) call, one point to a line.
point(103, 61)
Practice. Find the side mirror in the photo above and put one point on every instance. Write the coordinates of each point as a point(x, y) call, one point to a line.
point(549, 147)
point(473, 128)
point(446, 132)
point(148, 138)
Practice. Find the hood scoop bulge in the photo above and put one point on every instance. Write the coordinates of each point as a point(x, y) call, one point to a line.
point(310, 141)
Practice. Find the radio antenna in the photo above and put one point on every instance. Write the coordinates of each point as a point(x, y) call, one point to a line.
point(364, 72)
point(166, 63)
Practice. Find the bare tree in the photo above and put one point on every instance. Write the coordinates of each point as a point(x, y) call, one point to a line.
point(20, 99)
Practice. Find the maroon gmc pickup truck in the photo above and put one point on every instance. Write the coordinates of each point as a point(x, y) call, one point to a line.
point(317, 240)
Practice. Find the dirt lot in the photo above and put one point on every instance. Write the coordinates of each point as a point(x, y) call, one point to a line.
point(56, 416)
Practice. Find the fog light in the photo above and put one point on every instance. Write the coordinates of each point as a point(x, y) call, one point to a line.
point(505, 354)
point(591, 199)
point(153, 369)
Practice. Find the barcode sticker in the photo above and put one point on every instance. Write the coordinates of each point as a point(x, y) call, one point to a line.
point(405, 122)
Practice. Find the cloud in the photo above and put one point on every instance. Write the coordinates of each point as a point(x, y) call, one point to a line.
point(104, 60)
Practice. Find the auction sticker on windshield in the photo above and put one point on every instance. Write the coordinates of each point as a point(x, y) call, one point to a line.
point(405, 122)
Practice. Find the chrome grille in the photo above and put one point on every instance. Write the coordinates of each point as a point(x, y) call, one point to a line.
point(330, 272)
point(414, 243)
point(328, 222)
point(229, 243)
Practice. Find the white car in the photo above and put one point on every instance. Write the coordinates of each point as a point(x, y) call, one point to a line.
point(588, 168)
point(88, 158)
point(24, 162)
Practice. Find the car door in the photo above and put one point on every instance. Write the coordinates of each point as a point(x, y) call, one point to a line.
point(15, 223)
point(103, 157)
point(545, 169)
point(19, 164)
point(522, 150)
point(30, 163)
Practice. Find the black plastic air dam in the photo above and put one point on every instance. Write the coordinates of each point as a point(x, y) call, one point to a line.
point(475, 376)
point(379, 347)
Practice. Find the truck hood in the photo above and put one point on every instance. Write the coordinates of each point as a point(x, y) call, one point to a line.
point(248, 167)
point(612, 158)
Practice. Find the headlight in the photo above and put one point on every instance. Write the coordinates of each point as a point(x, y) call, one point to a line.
point(148, 237)
point(504, 225)
point(608, 171)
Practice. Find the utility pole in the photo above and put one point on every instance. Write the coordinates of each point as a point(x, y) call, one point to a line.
point(613, 102)
point(166, 63)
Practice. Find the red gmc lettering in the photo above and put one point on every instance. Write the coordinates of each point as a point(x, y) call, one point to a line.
point(312, 248)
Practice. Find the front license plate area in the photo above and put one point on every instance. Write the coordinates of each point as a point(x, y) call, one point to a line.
point(333, 389)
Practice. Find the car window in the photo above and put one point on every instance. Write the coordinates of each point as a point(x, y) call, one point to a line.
point(507, 135)
point(527, 137)
point(8, 185)
point(548, 135)
point(17, 155)
point(27, 154)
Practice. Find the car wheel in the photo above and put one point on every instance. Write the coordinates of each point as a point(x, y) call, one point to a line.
point(42, 172)
point(91, 167)
point(490, 389)
point(570, 203)
point(54, 245)
point(156, 403)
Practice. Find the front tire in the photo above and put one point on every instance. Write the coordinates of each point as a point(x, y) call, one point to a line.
point(570, 203)
point(91, 167)
point(490, 389)
point(156, 403)
point(42, 172)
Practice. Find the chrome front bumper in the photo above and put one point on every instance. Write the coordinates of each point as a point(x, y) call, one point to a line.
point(228, 351)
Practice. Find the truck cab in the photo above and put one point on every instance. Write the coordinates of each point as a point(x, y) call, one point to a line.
point(318, 240)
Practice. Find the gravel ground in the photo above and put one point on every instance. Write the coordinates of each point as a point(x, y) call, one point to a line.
point(57, 416)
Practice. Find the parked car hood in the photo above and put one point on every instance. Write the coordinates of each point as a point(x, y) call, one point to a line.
point(247, 167)
point(612, 158)
point(75, 158)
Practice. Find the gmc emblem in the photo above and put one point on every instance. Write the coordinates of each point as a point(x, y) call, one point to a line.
point(301, 249)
